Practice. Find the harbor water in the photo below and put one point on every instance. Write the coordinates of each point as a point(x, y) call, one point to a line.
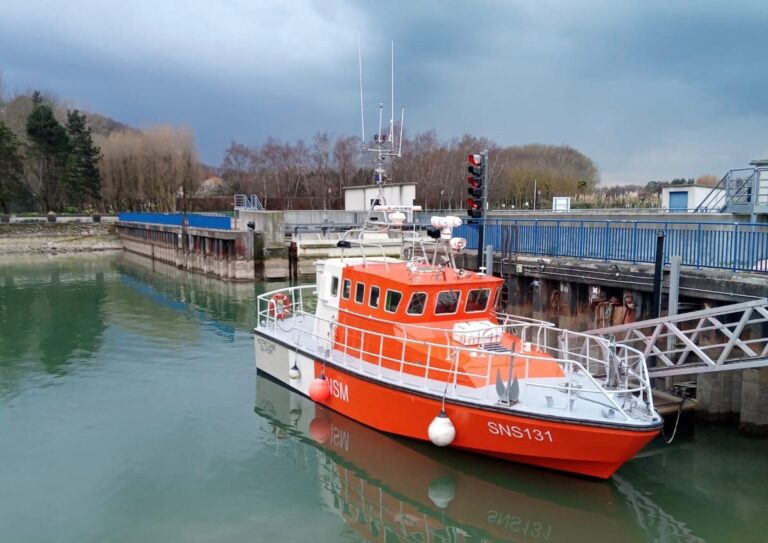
point(130, 410)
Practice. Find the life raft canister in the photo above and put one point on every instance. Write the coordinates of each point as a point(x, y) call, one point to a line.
point(279, 306)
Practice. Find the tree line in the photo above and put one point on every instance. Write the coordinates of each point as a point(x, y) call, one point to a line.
point(53, 158)
point(55, 165)
point(315, 174)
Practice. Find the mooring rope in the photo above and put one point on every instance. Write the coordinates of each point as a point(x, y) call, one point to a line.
point(677, 420)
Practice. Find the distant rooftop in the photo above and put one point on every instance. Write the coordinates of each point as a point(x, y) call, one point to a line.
point(759, 163)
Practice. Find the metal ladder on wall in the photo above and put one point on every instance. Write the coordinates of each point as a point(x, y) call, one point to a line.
point(731, 337)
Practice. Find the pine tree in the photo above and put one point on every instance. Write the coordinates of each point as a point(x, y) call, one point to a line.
point(12, 187)
point(82, 180)
point(49, 146)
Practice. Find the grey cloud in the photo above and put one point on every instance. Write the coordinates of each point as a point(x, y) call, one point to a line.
point(647, 89)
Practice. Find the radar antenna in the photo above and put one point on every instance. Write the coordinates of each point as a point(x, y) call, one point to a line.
point(384, 145)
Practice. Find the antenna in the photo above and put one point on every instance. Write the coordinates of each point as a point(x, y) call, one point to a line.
point(384, 145)
point(379, 135)
point(392, 80)
point(362, 109)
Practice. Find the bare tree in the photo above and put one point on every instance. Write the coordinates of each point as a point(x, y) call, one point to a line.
point(148, 170)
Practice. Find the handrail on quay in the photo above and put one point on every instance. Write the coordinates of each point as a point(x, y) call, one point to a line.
point(721, 245)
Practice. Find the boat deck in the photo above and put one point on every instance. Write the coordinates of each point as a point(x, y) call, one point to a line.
point(575, 396)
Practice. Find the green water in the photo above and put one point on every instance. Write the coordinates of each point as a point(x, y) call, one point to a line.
point(130, 410)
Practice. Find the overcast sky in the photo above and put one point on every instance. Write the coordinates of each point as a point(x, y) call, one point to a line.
point(647, 89)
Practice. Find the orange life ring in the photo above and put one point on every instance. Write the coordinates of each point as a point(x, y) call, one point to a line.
point(279, 306)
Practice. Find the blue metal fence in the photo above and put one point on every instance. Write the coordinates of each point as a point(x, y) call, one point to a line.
point(734, 246)
point(195, 220)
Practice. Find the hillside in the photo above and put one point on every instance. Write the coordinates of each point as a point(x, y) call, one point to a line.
point(14, 113)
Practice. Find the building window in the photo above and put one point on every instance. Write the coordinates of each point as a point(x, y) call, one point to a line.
point(392, 300)
point(373, 298)
point(477, 300)
point(359, 293)
point(346, 289)
point(417, 304)
point(334, 286)
point(447, 302)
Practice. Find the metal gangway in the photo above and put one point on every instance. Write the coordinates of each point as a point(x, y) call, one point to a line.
point(731, 337)
point(244, 202)
point(741, 191)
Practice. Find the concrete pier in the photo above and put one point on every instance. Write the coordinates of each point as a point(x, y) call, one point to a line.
point(220, 253)
point(754, 402)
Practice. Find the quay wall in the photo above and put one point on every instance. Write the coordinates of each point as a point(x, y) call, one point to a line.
point(224, 254)
point(55, 238)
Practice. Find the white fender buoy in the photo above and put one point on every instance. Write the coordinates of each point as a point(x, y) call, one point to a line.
point(441, 491)
point(293, 372)
point(441, 430)
point(319, 389)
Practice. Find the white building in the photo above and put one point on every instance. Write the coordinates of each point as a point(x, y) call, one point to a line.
point(682, 198)
point(362, 198)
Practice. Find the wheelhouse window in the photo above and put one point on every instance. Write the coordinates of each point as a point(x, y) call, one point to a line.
point(392, 300)
point(334, 286)
point(373, 297)
point(496, 299)
point(477, 300)
point(359, 293)
point(447, 302)
point(346, 289)
point(417, 304)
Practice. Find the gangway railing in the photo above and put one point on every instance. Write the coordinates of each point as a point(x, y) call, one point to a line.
point(732, 337)
point(244, 202)
point(740, 191)
point(714, 202)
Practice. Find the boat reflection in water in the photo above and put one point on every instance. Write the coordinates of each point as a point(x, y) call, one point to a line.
point(390, 489)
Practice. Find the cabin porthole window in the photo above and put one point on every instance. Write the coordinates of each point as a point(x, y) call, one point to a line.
point(346, 289)
point(477, 300)
point(373, 297)
point(417, 304)
point(392, 301)
point(359, 293)
point(447, 302)
point(334, 286)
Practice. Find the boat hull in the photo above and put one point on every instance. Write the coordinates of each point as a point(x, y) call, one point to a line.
point(573, 446)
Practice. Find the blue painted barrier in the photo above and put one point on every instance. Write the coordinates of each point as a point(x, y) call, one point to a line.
point(214, 222)
point(733, 246)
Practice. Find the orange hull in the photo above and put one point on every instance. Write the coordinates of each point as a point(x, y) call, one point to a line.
point(571, 446)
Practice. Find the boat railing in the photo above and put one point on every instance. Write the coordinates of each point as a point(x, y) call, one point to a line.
point(615, 374)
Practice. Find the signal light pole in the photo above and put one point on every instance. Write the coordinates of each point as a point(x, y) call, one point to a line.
point(477, 203)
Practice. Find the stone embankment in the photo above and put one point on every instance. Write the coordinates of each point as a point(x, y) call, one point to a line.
point(56, 238)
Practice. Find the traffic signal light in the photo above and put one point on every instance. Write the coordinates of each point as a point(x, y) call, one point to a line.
point(476, 188)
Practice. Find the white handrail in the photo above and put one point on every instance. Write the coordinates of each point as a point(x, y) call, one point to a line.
point(570, 360)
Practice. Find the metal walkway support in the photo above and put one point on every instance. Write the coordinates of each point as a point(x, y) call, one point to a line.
point(731, 337)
